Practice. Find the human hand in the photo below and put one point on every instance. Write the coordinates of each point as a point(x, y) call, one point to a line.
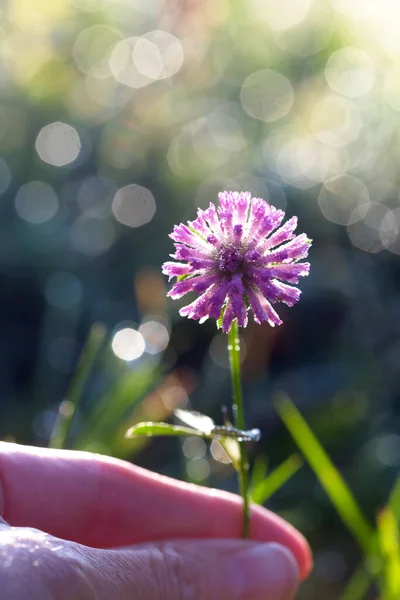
point(79, 526)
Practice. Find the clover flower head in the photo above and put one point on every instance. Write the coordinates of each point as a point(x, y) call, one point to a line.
point(236, 258)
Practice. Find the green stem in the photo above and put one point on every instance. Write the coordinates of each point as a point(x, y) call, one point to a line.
point(238, 411)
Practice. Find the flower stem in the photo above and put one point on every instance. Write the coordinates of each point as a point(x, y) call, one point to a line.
point(238, 412)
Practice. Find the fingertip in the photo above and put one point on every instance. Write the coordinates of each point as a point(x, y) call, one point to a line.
point(266, 526)
point(282, 561)
point(260, 569)
point(300, 550)
point(303, 555)
point(306, 562)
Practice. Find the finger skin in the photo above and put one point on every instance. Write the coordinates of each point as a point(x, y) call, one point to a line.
point(195, 570)
point(102, 502)
point(38, 566)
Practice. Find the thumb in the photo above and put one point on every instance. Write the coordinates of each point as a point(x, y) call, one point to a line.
point(195, 570)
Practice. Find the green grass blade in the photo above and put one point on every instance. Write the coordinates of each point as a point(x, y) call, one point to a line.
point(389, 544)
point(277, 478)
point(68, 407)
point(259, 471)
point(150, 429)
point(111, 416)
point(394, 499)
point(329, 477)
point(358, 585)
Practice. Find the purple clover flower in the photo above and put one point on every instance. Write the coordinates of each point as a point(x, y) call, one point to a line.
point(237, 257)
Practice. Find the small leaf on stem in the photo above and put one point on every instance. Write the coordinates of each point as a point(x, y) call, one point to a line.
point(150, 429)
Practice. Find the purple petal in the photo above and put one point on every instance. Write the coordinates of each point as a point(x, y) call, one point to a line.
point(227, 200)
point(243, 204)
point(217, 300)
point(237, 204)
point(190, 254)
point(211, 217)
point(290, 272)
point(183, 235)
point(256, 273)
point(285, 293)
point(283, 234)
point(261, 308)
point(226, 220)
point(203, 263)
point(276, 291)
point(237, 233)
point(296, 249)
point(258, 209)
point(263, 220)
point(208, 304)
point(199, 283)
point(260, 220)
point(252, 256)
point(200, 226)
point(236, 300)
point(271, 221)
point(228, 317)
point(174, 269)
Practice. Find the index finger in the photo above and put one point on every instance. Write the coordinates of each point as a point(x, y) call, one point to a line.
point(103, 502)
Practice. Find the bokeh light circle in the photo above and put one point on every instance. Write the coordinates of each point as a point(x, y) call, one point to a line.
point(194, 447)
point(137, 61)
point(169, 49)
point(280, 15)
point(58, 144)
point(340, 196)
point(134, 205)
point(388, 449)
point(389, 231)
point(93, 48)
point(36, 202)
point(155, 335)
point(335, 121)
point(310, 35)
point(365, 228)
point(350, 72)
point(198, 469)
point(128, 344)
point(147, 58)
point(267, 95)
point(217, 139)
point(122, 66)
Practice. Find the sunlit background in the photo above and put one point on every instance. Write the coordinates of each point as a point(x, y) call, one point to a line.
point(117, 119)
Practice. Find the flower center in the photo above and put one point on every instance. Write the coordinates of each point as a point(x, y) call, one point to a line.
point(230, 259)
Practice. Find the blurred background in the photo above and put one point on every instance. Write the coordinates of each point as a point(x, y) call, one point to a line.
point(117, 119)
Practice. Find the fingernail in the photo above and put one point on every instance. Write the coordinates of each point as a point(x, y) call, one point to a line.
point(264, 571)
